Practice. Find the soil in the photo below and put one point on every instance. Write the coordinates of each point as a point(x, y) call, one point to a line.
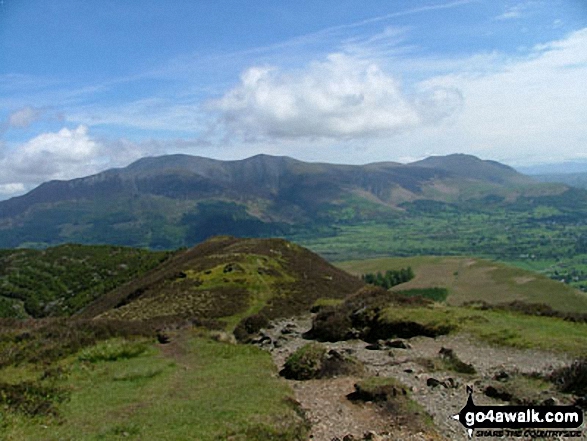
point(441, 393)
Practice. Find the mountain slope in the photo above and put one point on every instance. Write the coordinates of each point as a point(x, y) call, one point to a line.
point(179, 200)
point(578, 180)
point(228, 279)
point(61, 280)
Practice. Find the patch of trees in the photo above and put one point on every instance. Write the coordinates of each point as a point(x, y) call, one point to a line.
point(389, 278)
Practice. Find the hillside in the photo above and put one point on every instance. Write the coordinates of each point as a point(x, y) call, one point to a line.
point(60, 281)
point(225, 280)
point(578, 180)
point(107, 373)
point(474, 280)
point(178, 200)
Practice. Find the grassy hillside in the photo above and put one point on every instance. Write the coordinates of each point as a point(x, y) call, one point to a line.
point(192, 388)
point(473, 279)
point(228, 279)
point(62, 280)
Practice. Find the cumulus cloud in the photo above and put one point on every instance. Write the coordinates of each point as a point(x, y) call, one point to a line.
point(66, 154)
point(341, 97)
point(55, 155)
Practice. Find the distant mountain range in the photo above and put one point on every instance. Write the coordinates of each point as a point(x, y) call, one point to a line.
point(559, 168)
point(578, 180)
point(179, 200)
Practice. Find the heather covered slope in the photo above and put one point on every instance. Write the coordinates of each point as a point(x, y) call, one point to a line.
point(227, 279)
point(59, 281)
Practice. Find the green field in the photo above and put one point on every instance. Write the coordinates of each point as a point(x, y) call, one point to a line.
point(499, 327)
point(473, 279)
point(538, 237)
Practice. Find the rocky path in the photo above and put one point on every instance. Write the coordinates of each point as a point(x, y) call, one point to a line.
point(441, 393)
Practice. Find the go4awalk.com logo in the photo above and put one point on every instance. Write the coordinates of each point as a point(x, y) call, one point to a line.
point(520, 421)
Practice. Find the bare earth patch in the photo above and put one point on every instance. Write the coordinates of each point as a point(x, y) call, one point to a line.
point(332, 415)
point(522, 280)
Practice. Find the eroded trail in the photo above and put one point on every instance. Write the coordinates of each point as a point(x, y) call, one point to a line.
point(441, 392)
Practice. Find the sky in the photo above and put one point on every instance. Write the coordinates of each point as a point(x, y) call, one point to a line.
point(90, 85)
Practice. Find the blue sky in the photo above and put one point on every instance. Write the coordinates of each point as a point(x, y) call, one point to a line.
point(86, 86)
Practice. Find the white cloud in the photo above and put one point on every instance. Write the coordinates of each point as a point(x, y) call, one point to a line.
point(341, 97)
point(12, 188)
point(516, 11)
point(523, 110)
point(65, 154)
point(24, 117)
point(73, 153)
point(61, 155)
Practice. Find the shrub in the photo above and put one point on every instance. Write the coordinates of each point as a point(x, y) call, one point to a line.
point(313, 361)
point(249, 326)
point(359, 317)
point(112, 350)
point(31, 398)
point(331, 324)
point(45, 341)
point(454, 363)
point(436, 294)
point(377, 389)
point(305, 363)
point(572, 378)
point(394, 397)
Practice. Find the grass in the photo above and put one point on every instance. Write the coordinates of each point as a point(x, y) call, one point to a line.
point(434, 293)
point(200, 389)
point(499, 327)
point(112, 350)
point(473, 279)
point(393, 396)
point(323, 303)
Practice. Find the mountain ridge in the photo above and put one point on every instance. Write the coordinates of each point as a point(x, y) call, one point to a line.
point(175, 200)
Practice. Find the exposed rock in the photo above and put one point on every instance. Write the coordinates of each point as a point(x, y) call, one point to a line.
point(377, 346)
point(551, 401)
point(498, 393)
point(372, 436)
point(501, 376)
point(163, 338)
point(398, 343)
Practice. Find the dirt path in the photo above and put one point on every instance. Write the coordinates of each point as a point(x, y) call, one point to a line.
point(333, 416)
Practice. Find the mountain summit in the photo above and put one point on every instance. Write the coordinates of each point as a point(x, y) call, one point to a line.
point(174, 200)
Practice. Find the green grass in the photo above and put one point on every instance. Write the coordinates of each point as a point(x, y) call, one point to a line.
point(112, 350)
point(322, 303)
point(200, 389)
point(499, 327)
point(434, 293)
point(395, 397)
point(473, 279)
